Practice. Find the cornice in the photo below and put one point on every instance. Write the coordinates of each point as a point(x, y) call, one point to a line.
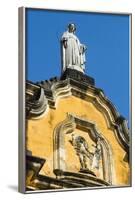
point(68, 179)
point(49, 97)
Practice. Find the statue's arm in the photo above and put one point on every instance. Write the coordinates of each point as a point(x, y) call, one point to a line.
point(64, 41)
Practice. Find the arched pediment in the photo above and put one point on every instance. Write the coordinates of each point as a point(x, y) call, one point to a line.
point(49, 97)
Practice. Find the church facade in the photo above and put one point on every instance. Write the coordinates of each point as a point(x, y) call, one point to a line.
point(75, 138)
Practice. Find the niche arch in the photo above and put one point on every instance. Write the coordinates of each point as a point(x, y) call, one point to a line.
point(68, 126)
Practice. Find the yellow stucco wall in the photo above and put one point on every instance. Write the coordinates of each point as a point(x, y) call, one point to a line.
point(40, 137)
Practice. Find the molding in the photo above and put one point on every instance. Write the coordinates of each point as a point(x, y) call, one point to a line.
point(35, 181)
point(64, 88)
point(37, 102)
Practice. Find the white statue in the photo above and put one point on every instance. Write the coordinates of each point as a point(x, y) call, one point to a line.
point(73, 52)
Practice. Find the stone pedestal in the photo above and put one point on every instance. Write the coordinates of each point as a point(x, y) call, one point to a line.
point(77, 75)
point(87, 171)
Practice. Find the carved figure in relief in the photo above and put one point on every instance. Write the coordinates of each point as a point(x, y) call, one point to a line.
point(82, 150)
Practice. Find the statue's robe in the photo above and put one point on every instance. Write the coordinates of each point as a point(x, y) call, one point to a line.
point(72, 56)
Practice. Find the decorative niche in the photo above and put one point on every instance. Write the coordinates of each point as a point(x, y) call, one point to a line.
point(79, 147)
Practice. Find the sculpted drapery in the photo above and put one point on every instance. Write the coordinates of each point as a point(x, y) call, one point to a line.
point(73, 52)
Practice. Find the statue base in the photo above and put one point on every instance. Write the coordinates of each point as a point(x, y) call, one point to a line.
point(87, 171)
point(78, 76)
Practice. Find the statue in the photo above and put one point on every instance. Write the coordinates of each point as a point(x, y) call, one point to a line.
point(82, 150)
point(73, 52)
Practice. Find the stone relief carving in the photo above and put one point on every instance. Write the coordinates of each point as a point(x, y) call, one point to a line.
point(82, 150)
point(97, 155)
point(99, 165)
point(89, 160)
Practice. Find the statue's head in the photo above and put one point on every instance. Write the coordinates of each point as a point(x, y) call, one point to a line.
point(71, 28)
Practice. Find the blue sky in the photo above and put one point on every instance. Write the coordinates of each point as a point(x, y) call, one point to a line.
point(106, 37)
